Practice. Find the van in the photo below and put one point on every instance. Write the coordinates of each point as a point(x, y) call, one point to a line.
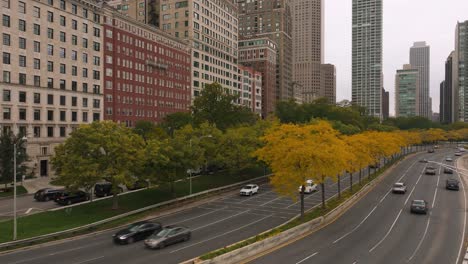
point(310, 187)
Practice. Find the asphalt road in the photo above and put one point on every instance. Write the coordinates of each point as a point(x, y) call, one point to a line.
point(221, 222)
point(381, 229)
point(25, 204)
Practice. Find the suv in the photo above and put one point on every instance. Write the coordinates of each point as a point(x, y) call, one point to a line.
point(48, 194)
point(452, 184)
point(430, 171)
point(399, 187)
point(448, 170)
point(104, 189)
point(68, 198)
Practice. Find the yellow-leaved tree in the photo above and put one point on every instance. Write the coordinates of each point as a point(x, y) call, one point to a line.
point(361, 155)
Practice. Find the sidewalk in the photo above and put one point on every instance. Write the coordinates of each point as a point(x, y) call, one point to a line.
point(462, 163)
point(33, 185)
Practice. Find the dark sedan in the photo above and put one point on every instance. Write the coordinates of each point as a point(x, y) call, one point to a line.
point(68, 198)
point(419, 207)
point(136, 231)
point(452, 184)
point(47, 194)
point(169, 235)
point(448, 171)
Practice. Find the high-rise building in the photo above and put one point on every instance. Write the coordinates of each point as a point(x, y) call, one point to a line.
point(147, 72)
point(420, 59)
point(367, 55)
point(327, 82)
point(385, 104)
point(271, 19)
point(52, 72)
point(448, 112)
point(250, 82)
point(211, 27)
point(260, 54)
point(407, 89)
point(460, 71)
point(144, 11)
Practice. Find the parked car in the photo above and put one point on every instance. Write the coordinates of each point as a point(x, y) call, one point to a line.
point(169, 235)
point(430, 151)
point(249, 189)
point(399, 187)
point(139, 184)
point(448, 170)
point(436, 146)
point(449, 159)
point(458, 153)
point(424, 161)
point(68, 198)
point(452, 184)
point(309, 187)
point(419, 207)
point(136, 231)
point(48, 194)
point(430, 171)
point(103, 189)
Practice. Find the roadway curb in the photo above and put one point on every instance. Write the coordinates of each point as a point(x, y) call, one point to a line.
point(263, 247)
point(464, 251)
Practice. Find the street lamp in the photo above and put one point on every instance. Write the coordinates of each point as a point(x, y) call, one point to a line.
point(190, 171)
point(14, 185)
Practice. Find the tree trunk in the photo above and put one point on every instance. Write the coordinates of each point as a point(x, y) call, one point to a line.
point(302, 200)
point(323, 195)
point(339, 186)
point(351, 182)
point(360, 176)
point(368, 172)
point(115, 201)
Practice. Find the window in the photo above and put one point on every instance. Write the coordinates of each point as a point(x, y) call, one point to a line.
point(85, 102)
point(22, 61)
point(21, 7)
point(37, 81)
point(74, 9)
point(74, 116)
point(85, 12)
point(36, 12)
point(85, 116)
point(6, 39)
point(96, 46)
point(22, 130)
point(37, 46)
point(37, 114)
point(63, 116)
point(37, 131)
point(85, 43)
point(63, 5)
point(97, 32)
point(22, 78)
point(74, 55)
point(97, 18)
point(63, 37)
point(63, 53)
point(63, 100)
point(63, 131)
point(22, 114)
point(22, 25)
point(50, 49)
point(74, 71)
point(6, 58)
point(22, 97)
point(6, 113)
point(50, 66)
point(74, 24)
point(37, 29)
point(63, 21)
point(97, 60)
point(62, 84)
point(6, 77)
point(96, 103)
point(50, 131)
point(85, 28)
point(6, 95)
point(96, 117)
point(50, 33)
point(50, 16)
point(6, 21)
point(74, 86)
point(63, 68)
point(74, 101)
point(50, 83)
point(22, 43)
point(85, 73)
point(37, 98)
point(74, 40)
point(50, 115)
point(50, 99)
point(96, 75)
point(37, 64)
point(85, 57)
point(85, 87)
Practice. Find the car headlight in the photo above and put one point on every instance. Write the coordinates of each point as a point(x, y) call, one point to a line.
point(124, 236)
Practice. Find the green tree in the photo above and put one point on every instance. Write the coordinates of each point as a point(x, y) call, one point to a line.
point(6, 157)
point(148, 130)
point(176, 121)
point(101, 150)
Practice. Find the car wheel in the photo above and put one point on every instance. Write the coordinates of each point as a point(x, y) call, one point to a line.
point(186, 238)
point(161, 245)
point(130, 240)
point(69, 202)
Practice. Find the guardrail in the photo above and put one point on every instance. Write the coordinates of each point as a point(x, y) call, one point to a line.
point(30, 241)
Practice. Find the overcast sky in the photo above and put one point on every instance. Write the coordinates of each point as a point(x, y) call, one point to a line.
point(405, 21)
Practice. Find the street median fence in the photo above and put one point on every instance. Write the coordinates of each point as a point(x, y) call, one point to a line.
point(93, 226)
point(249, 251)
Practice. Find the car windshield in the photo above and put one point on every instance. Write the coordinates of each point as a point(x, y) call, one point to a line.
point(418, 202)
point(398, 185)
point(163, 233)
point(247, 187)
point(134, 227)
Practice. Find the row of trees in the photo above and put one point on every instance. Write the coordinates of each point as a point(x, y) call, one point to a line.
point(7, 141)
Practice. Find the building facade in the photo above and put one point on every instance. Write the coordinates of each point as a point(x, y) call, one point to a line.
point(147, 72)
point(144, 11)
point(271, 19)
point(420, 59)
point(367, 55)
point(250, 82)
point(51, 72)
point(447, 106)
point(385, 104)
point(407, 90)
point(260, 54)
point(460, 71)
point(327, 82)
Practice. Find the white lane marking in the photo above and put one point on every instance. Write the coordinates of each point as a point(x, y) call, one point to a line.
point(464, 221)
point(385, 196)
point(435, 193)
point(254, 196)
point(307, 258)
point(414, 187)
point(198, 216)
point(277, 198)
point(28, 211)
point(354, 229)
point(89, 260)
point(223, 234)
point(215, 222)
point(388, 232)
point(51, 254)
point(354, 262)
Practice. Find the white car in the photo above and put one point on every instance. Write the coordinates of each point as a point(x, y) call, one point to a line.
point(448, 159)
point(249, 189)
point(399, 187)
point(458, 154)
point(310, 187)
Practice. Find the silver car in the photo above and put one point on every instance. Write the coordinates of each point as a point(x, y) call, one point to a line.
point(169, 235)
point(399, 187)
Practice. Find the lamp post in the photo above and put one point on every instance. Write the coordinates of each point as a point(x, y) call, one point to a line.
point(190, 171)
point(14, 186)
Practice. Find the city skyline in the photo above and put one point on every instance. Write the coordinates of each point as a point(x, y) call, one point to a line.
point(436, 26)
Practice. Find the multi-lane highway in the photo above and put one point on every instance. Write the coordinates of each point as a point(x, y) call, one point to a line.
point(381, 229)
point(220, 222)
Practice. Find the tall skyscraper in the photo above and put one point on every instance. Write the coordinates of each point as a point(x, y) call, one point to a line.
point(367, 55)
point(309, 73)
point(271, 19)
point(385, 104)
point(420, 59)
point(447, 105)
point(144, 11)
point(407, 92)
point(460, 71)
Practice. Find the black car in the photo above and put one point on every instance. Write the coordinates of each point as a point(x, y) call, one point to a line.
point(139, 184)
point(419, 207)
point(136, 231)
point(430, 151)
point(430, 171)
point(68, 198)
point(104, 189)
point(169, 235)
point(448, 171)
point(48, 194)
point(452, 184)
